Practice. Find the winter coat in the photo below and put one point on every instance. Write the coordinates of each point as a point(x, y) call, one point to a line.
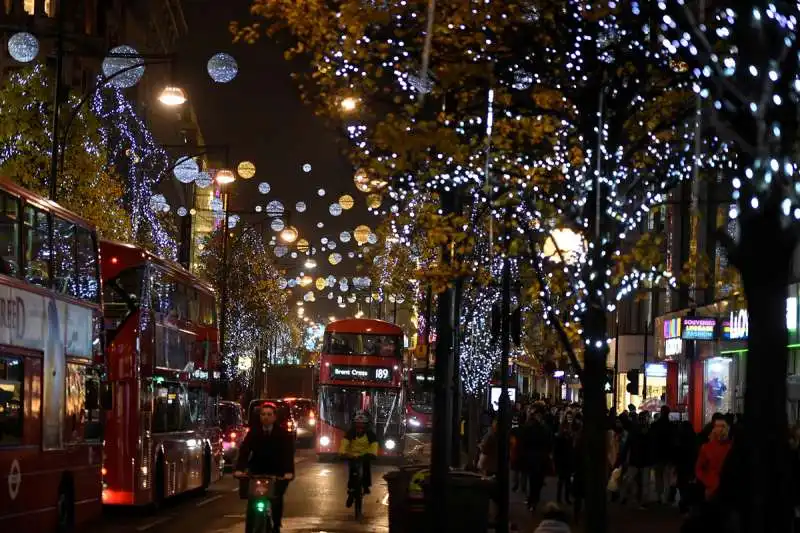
point(537, 445)
point(663, 435)
point(710, 462)
point(268, 453)
point(564, 453)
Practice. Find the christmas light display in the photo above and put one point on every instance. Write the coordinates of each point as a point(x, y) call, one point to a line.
point(121, 67)
point(222, 68)
point(23, 47)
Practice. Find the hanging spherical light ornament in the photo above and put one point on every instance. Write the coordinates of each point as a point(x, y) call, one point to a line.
point(203, 180)
point(182, 212)
point(320, 284)
point(361, 179)
point(302, 245)
point(222, 67)
point(232, 221)
point(157, 202)
point(307, 168)
point(215, 204)
point(282, 283)
point(361, 234)
point(335, 258)
point(307, 296)
point(123, 66)
point(331, 245)
point(346, 202)
point(399, 299)
point(292, 283)
point(275, 208)
point(300, 207)
point(165, 208)
point(293, 255)
point(277, 224)
point(343, 287)
point(330, 296)
point(23, 47)
point(374, 201)
point(320, 225)
point(280, 250)
point(264, 187)
point(320, 192)
point(372, 238)
point(351, 255)
point(324, 240)
point(522, 80)
point(330, 280)
point(395, 209)
point(259, 209)
point(352, 298)
point(335, 210)
point(246, 170)
point(344, 236)
point(186, 169)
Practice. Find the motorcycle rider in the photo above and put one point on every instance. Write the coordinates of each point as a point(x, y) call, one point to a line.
point(268, 449)
point(359, 444)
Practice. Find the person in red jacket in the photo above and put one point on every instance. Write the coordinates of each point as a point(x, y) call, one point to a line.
point(712, 456)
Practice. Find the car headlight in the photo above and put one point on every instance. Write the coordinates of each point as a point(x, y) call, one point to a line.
point(312, 422)
point(324, 440)
point(414, 422)
point(389, 444)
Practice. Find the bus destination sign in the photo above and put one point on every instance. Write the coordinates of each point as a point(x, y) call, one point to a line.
point(361, 373)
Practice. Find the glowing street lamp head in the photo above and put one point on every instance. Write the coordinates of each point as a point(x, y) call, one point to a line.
point(225, 177)
point(289, 234)
point(563, 243)
point(349, 104)
point(172, 96)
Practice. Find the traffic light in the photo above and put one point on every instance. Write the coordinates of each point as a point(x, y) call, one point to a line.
point(633, 382)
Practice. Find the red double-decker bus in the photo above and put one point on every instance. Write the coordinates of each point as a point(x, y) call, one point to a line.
point(361, 369)
point(419, 400)
point(51, 365)
point(162, 436)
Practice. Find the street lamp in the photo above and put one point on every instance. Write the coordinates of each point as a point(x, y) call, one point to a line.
point(564, 245)
point(172, 96)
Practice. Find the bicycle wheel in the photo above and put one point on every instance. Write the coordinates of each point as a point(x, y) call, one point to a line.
point(359, 501)
point(259, 523)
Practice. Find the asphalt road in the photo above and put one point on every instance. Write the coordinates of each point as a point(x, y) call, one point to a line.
point(314, 502)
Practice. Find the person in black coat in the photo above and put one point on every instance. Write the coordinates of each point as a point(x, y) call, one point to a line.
point(268, 449)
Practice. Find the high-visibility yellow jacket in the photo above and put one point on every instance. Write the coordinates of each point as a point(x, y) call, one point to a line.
point(352, 444)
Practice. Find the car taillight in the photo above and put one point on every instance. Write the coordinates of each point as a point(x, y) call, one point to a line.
point(103, 471)
point(311, 414)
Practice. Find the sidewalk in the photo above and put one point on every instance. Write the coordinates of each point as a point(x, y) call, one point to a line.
point(621, 519)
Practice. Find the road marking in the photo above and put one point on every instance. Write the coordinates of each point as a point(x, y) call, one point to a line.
point(154, 523)
point(234, 515)
point(209, 500)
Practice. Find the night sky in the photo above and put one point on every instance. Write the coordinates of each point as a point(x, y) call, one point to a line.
point(260, 115)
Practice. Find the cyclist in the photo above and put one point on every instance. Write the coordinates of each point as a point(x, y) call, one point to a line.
point(359, 444)
point(268, 449)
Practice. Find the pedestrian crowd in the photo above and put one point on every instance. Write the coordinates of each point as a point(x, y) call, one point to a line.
point(651, 460)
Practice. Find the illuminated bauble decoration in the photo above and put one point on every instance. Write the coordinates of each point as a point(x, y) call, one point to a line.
point(522, 80)
point(282, 283)
point(157, 202)
point(330, 296)
point(264, 187)
point(233, 220)
point(351, 255)
point(372, 238)
point(331, 245)
point(23, 47)
point(320, 192)
point(259, 209)
point(346, 201)
point(292, 283)
point(305, 281)
point(306, 168)
point(293, 255)
point(361, 234)
point(193, 211)
point(395, 209)
point(368, 181)
point(335, 258)
point(182, 212)
point(302, 245)
point(222, 67)
point(300, 207)
point(277, 224)
point(246, 170)
point(274, 208)
point(320, 225)
point(344, 236)
point(280, 250)
point(352, 298)
point(399, 299)
point(374, 201)
point(324, 240)
point(320, 284)
point(203, 180)
point(335, 210)
point(186, 170)
point(309, 297)
point(126, 71)
point(215, 204)
point(165, 208)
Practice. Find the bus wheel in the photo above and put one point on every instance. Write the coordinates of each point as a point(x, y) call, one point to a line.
point(206, 469)
point(158, 484)
point(65, 508)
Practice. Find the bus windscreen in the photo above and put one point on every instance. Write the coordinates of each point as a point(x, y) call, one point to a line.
point(363, 344)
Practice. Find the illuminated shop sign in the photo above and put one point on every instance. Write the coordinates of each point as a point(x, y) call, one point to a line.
point(699, 329)
point(672, 328)
point(655, 370)
point(737, 327)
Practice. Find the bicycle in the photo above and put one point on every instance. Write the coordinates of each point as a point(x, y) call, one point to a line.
point(260, 491)
point(355, 485)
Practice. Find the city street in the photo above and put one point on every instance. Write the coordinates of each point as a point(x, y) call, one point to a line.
point(314, 502)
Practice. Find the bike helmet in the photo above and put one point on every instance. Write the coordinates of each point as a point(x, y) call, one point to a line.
point(361, 418)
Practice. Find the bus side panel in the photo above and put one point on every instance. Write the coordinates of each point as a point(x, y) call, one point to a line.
point(119, 487)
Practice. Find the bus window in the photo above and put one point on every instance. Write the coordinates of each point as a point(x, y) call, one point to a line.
point(37, 228)
point(11, 379)
point(87, 274)
point(9, 236)
point(362, 344)
point(64, 265)
point(82, 415)
point(207, 310)
point(121, 298)
point(169, 411)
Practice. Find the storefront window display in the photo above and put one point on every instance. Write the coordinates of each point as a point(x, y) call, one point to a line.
point(718, 391)
point(656, 394)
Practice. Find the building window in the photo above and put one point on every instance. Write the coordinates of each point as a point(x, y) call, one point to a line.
point(30, 7)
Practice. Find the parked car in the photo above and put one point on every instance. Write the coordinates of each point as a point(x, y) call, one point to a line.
point(231, 421)
point(304, 415)
point(285, 415)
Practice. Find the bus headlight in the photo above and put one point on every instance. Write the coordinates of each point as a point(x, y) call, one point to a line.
point(324, 441)
point(389, 444)
point(414, 423)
